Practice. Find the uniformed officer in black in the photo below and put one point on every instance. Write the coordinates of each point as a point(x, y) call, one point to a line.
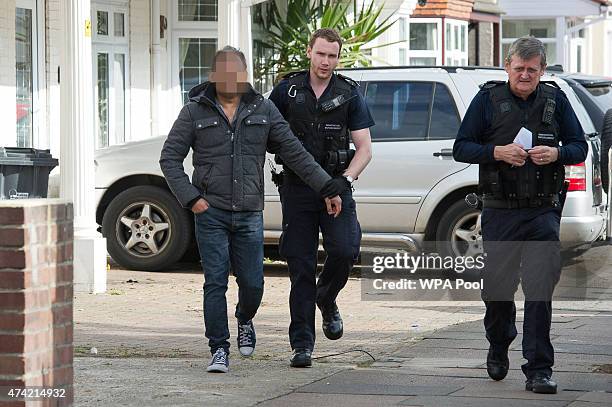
point(522, 195)
point(325, 111)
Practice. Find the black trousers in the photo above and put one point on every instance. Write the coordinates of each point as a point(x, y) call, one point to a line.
point(521, 245)
point(304, 213)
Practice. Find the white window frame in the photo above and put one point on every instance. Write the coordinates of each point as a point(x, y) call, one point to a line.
point(190, 25)
point(112, 45)
point(506, 41)
point(436, 53)
point(39, 136)
point(184, 29)
point(458, 57)
point(176, 36)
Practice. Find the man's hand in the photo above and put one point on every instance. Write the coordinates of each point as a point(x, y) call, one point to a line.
point(200, 206)
point(334, 205)
point(513, 154)
point(542, 155)
point(335, 186)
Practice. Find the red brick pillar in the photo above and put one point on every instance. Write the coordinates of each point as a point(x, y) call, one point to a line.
point(36, 298)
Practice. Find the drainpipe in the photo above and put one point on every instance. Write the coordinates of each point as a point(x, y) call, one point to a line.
point(155, 68)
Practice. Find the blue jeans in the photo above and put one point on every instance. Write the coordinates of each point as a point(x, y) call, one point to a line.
point(229, 238)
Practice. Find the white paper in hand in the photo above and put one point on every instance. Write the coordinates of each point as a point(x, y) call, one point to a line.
point(524, 138)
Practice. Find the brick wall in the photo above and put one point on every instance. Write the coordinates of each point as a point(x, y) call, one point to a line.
point(36, 297)
point(460, 9)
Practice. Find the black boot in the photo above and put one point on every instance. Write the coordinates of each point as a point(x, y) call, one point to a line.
point(332, 322)
point(497, 364)
point(301, 358)
point(541, 383)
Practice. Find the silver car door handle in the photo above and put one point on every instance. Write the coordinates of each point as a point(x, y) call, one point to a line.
point(445, 152)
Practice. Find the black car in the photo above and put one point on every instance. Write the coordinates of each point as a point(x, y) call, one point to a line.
point(595, 93)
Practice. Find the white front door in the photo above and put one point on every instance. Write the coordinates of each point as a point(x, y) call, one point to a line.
point(27, 70)
point(110, 54)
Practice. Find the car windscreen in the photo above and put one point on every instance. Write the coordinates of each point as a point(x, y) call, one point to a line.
point(602, 96)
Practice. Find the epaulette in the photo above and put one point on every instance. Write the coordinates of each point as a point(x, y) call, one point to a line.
point(491, 84)
point(348, 80)
point(551, 83)
point(294, 74)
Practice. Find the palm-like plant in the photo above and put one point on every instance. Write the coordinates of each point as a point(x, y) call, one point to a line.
point(288, 36)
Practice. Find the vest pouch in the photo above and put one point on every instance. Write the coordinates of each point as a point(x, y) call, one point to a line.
point(510, 181)
point(489, 182)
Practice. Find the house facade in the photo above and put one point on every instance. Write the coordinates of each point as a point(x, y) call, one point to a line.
point(577, 33)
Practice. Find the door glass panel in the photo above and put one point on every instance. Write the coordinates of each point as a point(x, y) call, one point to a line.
point(102, 90)
point(119, 88)
point(444, 118)
point(102, 22)
point(195, 58)
point(25, 77)
point(119, 25)
point(407, 117)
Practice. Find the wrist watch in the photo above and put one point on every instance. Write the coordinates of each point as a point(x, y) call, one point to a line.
point(349, 179)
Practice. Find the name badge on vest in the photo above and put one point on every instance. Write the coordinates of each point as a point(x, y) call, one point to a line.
point(331, 127)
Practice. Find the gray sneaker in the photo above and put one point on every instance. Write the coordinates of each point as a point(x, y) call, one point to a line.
point(219, 362)
point(246, 338)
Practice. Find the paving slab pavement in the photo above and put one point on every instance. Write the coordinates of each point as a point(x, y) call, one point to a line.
point(149, 349)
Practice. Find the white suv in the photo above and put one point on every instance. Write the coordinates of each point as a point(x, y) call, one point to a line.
point(412, 191)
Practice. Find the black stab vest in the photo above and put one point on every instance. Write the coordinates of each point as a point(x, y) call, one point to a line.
point(321, 125)
point(537, 184)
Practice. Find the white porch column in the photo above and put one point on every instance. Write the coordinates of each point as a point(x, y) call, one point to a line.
point(234, 22)
point(77, 145)
point(562, 43)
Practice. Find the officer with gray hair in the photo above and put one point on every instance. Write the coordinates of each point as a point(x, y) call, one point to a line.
point(521, 132)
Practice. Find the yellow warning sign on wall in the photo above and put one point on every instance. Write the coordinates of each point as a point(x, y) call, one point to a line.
point(88, 28)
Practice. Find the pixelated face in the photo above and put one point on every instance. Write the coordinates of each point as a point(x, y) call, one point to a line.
point(323, 57)
point(524, 75)
point(229, 74)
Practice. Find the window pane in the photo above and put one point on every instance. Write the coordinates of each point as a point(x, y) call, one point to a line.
point(23, 67)
point(402, 56)
point(422, 61)
point(456, 39)
point(119, 87)
point(402, 29)
point(444, 119)
point(102, 90)
point(551, 53)
point(102, 22)
point(463, 38)
point(197, 10)
point(537, 28)
point(196, 56)
point(448, 38)
point(423, 36)
point(407, 117)
point(119, 28)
